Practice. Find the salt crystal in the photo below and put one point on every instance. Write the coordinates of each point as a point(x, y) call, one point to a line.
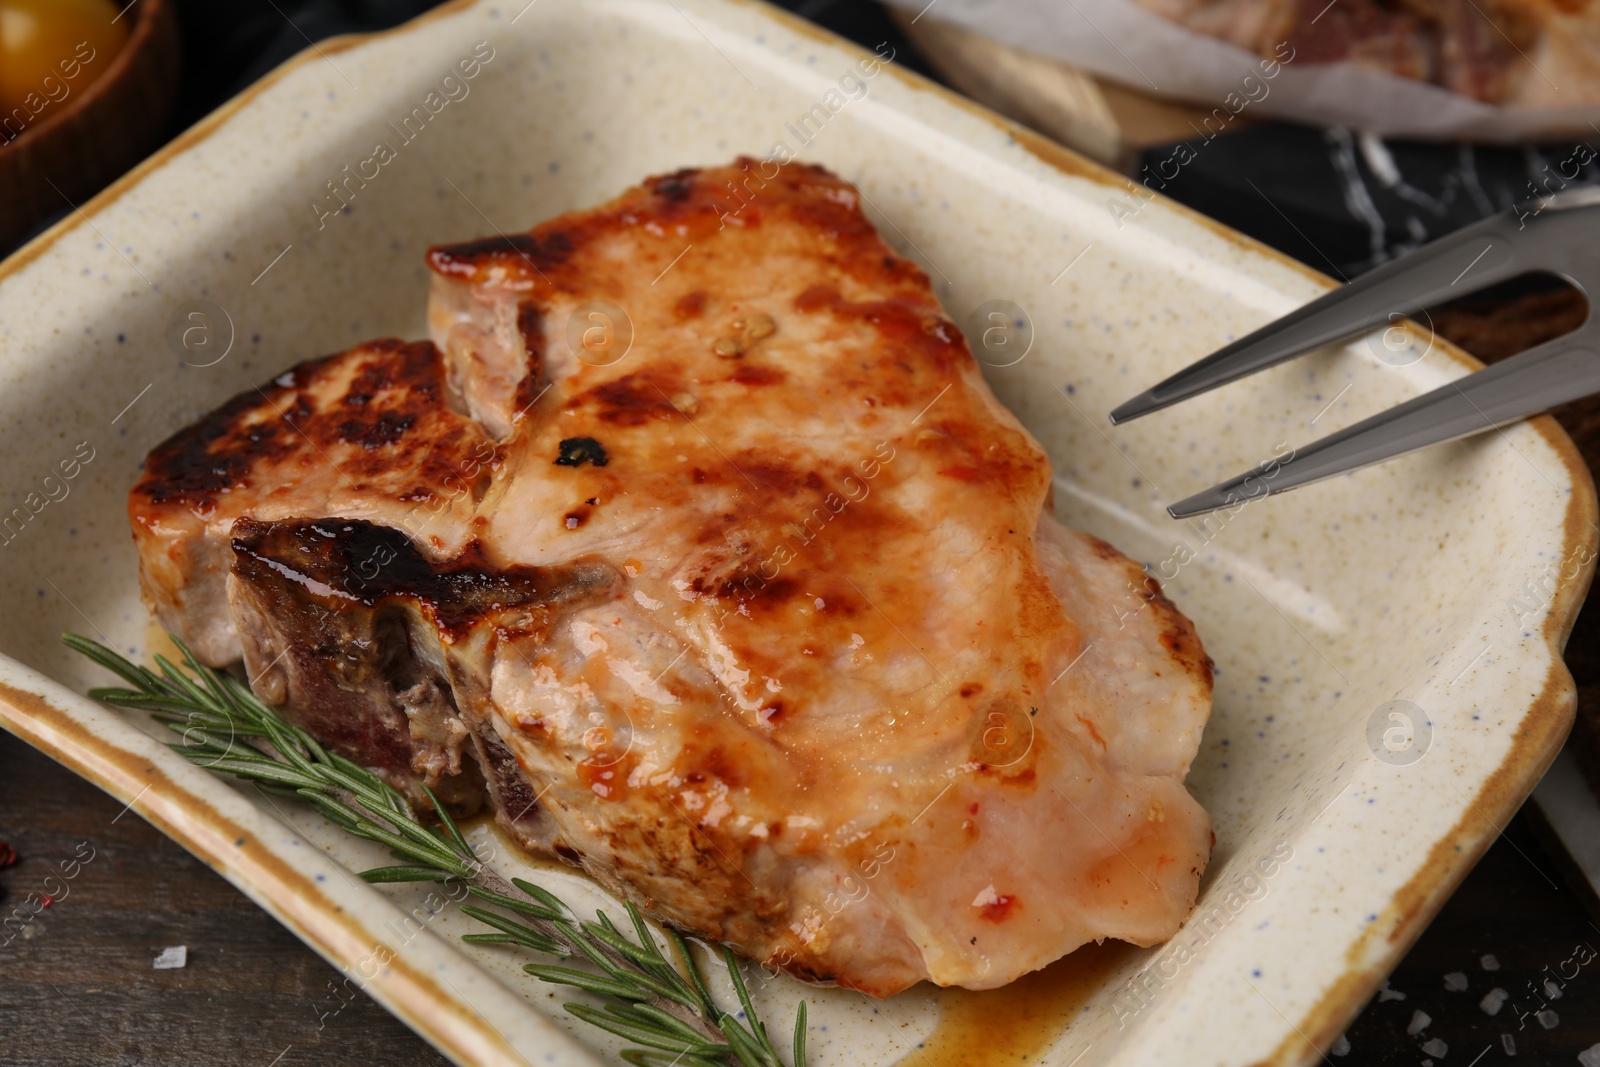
point(1552, 990)
point(1590, 1057)
point(172, 958)
point(1548, 1019)
point(1489, 963)
point(1341, 1047)
point(1455, 981)
point(1435, 1048)
point(1508, 1043)
point(1493, 1001)
point(1389, 994)
point(1419, 1022)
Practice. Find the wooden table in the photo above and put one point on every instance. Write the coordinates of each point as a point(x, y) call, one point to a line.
point(76, 983)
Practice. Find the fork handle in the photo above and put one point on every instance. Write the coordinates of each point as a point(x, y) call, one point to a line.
point(1551, 374)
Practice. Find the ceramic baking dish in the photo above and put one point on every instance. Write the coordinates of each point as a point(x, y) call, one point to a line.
point(1389, 682)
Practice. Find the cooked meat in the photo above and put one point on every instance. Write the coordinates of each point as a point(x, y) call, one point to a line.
point(1254, 25)
point(1518, 53)
point(367, 434)
point(780, 637)
point(840, 633)
point(369, 642)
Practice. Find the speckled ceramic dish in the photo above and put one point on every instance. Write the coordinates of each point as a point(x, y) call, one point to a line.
point(1389, 681)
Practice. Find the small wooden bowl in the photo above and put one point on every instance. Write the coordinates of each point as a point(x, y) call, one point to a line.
point(80, 144)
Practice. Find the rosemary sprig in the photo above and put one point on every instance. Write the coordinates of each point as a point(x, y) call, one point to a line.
point(660, 1005)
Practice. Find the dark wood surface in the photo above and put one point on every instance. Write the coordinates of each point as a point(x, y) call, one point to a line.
point(1520, 907)
point(76, 982)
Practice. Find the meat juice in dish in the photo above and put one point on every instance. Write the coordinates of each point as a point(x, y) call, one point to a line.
point(696, 541)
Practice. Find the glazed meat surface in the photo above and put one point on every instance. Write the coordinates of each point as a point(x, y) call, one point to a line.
point(755, 614)
point(365, 434)
point(362, 435)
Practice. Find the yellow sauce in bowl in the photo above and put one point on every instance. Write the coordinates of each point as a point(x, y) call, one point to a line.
point(52, 51)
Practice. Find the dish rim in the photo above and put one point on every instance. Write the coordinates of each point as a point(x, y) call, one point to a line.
point(1536, 740)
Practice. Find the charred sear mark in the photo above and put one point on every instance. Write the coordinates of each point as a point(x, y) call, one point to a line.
point(267, 424)
point(530, 326)
point(544, 252)
point(775, 476)
point(386, 429)
point(349, 565)
point(748, 375)
point(203, 460)
point(576, 451)
point(690, 306)
point(675, 187)
point(516, 802)
point(632, 400)
point(371, 413)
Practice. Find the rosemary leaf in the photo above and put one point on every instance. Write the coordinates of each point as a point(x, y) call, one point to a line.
point(759, 1031)
point(278, 791)
point(207, 678)
point(744, 1046)
point(595, 955)
point(417, 844)
point(594, 983)
point(405, 874)
point(127, 698)
point(648, 1013)
point(449, 824)
point(490, 939)
point(244, 768)
point(537, 911)
point(649, 1000)
point(525, 935)
point(138, 677)
point(645, 1035)
point(708, 1005)
point(181, 681)
point(675, 991)
point(541, 894)
point(612, 938)
point(647, 940)
point(203, 721)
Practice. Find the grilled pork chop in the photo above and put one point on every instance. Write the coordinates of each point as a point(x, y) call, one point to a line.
point(362, 435)
point(755, 613)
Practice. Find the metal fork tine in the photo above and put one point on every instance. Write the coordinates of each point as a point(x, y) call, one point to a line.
point(1490, 251)
point(1540, 378)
